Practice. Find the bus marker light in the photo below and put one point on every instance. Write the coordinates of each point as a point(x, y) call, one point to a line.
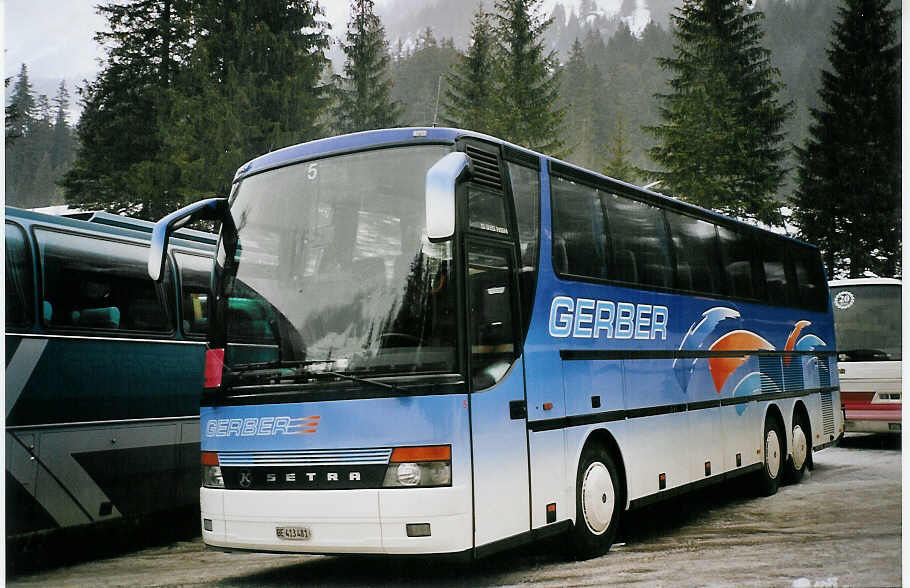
point(548, 406)
point(551, 513)
point(207, 524)
point(662, 481)
point(210, 458)
point(429, 453)
point(214, 363)
point(418, 529)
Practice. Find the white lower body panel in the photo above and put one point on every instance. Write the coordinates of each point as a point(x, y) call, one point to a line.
point(339, 521)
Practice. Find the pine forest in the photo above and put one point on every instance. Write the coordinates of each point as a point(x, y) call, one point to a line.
point(749, 107)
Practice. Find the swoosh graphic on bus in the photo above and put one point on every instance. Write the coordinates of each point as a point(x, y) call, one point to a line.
point(723, 367)
point(791, 340)
point(20, 368)
point(695, 339)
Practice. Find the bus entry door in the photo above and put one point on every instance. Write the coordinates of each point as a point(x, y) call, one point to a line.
point(498, 402)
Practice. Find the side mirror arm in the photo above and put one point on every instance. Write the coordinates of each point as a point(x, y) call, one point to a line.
point(210, 209)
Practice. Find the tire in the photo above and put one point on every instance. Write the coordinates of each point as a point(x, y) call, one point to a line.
point(599, 502)
point(773, 457)
point(800, 449)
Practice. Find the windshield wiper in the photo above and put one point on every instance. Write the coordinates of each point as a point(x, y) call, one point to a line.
point(293, 372)
point(273, 364)
point(392, 387)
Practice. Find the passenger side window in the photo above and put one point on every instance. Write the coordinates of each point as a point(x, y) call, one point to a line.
point(526, 193)
point(640, 251)
point(492, 326)
point(195, 275)
point(19, 283)
point(99, 284)
point(810, 278)
point(738, 256)
point(777, 284)
point(698, 266)
point(579, 235)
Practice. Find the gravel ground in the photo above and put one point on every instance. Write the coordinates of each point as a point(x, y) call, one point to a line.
point(840, 526)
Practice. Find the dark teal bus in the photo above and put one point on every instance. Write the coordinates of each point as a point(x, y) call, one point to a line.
point(103, 370)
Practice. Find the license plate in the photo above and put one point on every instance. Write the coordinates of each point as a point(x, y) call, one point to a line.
point(293, 533)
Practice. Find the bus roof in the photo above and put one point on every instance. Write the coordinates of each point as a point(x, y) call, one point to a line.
point(436, 135)
point(112, 224)
point(865, 282)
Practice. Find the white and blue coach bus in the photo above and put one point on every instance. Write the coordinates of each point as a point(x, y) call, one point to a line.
point(432, 341)
point(103, 369)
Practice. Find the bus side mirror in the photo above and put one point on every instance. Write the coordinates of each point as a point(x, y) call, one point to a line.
point(440, 194)
point(209, 209)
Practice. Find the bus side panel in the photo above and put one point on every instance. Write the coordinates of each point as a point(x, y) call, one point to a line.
point(500, 460)
point(96, 455)
point(665, 447)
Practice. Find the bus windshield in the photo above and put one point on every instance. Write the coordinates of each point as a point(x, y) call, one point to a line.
point(867, 320)
point(332, 271)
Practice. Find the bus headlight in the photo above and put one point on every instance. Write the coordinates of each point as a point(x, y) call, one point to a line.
point(411, 467)
point(211, 470)
point(211, 477)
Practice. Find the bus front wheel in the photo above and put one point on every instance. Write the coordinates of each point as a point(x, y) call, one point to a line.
point(599, 502)
point(774, 457)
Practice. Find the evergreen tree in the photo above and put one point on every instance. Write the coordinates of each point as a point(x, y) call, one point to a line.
point(417, 79)
point(126, 110)
point(579, 98)
point(848, 198)
point(528, 80)
point(62, 147)
point(618, 165)
point(21, 107)
point(255, 74)
point(720, 141)
point(470, 86)
point(365, 89)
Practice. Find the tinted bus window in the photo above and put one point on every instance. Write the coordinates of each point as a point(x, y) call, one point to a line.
point(98, 284)
point(579, 235)
point(19, 283)
point(810, 278)
point(777, 285)
point(640, 252)
point(695, 246)
point(526, 193)
point(487, 211)
point(195, 274)
point(738, 258)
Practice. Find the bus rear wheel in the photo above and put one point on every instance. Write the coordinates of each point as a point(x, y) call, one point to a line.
point(774, 457)
point(599, 503)
point(800, 450)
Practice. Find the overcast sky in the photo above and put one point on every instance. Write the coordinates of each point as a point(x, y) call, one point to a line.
point(54, 37)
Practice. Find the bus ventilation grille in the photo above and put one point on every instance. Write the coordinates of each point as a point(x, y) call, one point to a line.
point(827, 414)
point(772, 376)
point(486, 168)
point(793, 373)
point(824, 372)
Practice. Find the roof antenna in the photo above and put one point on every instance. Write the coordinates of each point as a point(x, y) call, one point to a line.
point(438, 86)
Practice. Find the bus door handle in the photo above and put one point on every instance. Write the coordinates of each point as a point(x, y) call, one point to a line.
point(518, 409)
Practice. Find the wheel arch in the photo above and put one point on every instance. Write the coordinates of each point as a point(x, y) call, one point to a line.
point(773, 411)
point(604, 438)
